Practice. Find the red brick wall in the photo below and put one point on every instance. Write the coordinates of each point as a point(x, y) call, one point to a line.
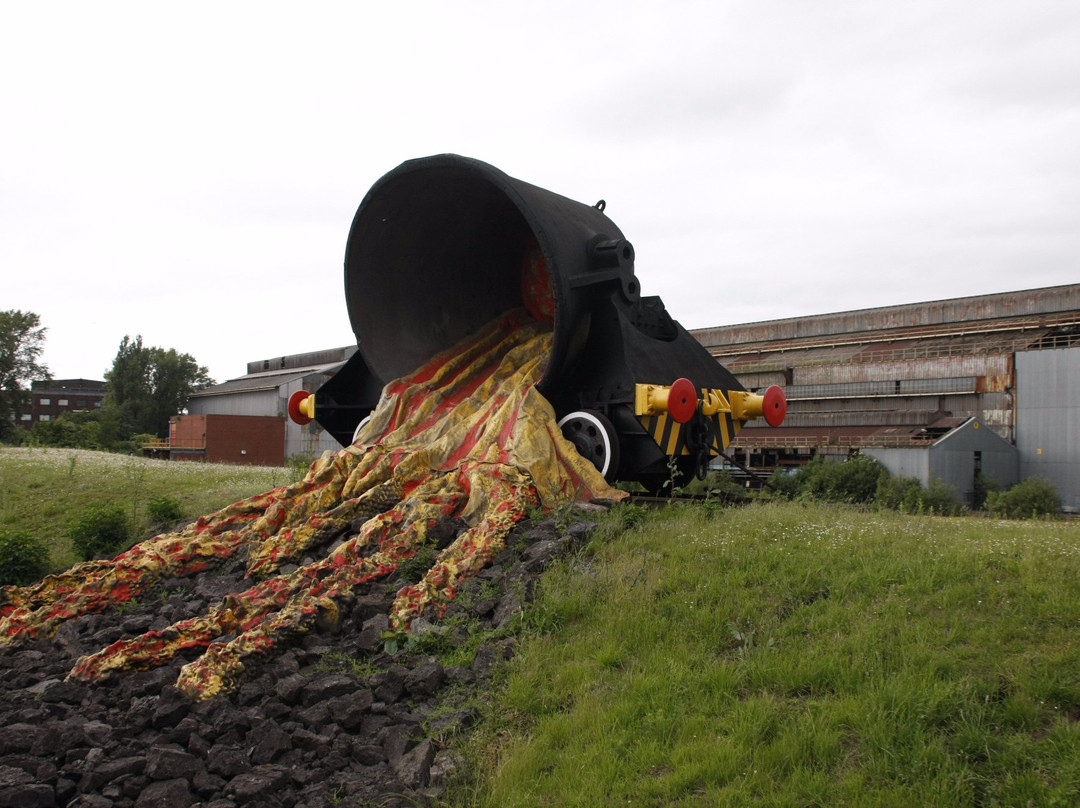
point(247, 439)
point(257, 440)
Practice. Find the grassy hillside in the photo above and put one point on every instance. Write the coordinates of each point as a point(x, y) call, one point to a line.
point(792, 655)
point(776, 654)
point(42, 489)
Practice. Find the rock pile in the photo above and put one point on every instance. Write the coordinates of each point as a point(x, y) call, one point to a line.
point(331, 720)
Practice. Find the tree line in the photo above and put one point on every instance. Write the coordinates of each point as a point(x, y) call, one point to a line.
point(145, 387)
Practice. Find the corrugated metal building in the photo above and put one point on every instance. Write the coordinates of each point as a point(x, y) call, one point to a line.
point(1048, 418)
point(903, 377)
point(265, 391)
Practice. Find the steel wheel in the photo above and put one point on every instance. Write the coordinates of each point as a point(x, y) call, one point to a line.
point(360, 426)
point(594, 437)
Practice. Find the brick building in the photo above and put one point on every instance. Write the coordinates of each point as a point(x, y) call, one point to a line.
point(51, 398)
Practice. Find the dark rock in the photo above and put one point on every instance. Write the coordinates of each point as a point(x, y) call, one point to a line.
point(36, 740)
point(371, 635)
point(390, 684)
point(165, 794)
point(445, 765)
point(28, 795)
point(326, 686)
point(163, 763)
point(65, 790)
point(369, 754)
point(349, 710)
point(290, 688)
point(109, 769)
point(91, 801)
point(540, 554)
point(228, 761)
point(207, 784)
point(228, 723)
point(425, 680)
point(14, 776)
point(396, 741)
point(269, 742)
point(136, 624)
point(65, 692)
point(414, 767)
point(170, 709)
point(256, 784)
point(310, 741)
point(314, 716)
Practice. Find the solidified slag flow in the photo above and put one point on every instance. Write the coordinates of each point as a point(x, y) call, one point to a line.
point(466, 436)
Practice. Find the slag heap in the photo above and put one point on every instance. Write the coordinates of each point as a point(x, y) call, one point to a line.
point(466, 436)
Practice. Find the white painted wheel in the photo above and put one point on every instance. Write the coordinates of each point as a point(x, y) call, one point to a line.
point(359, 427)
point(594, 437)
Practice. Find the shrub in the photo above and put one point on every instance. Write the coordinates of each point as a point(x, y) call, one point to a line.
point(899, 493)
point(101, 530)
point(161, 510)
point(1031, 498)
point(941, 499)
point(23, 558)
point(784, 483)
point(720, 484)
point(854, 480)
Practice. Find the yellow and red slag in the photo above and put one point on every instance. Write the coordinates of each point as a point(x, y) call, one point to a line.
point(466, 436)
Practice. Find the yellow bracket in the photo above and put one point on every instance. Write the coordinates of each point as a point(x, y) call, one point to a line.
point(713, 402)
point(651, 399)
point(307, 406)
point(745, 406)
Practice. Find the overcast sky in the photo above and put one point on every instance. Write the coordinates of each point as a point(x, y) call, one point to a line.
point(188, 172)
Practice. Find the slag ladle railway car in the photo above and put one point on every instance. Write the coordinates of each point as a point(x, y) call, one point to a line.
point(442, 245)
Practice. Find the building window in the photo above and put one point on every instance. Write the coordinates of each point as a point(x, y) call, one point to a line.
point(62, 402)
point(45, 417)
point(80, 404)
point(97, 403)
point(45, 402)
point(27, 416)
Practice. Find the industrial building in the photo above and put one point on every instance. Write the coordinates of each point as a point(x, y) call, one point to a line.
point(947, 388)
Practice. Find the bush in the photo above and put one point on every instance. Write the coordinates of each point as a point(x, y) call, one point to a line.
point(941, 499)
point(1031, 498)
point(903, 494)
point(162, 510)
point(784, 484)
point(854, 480)
point(23, 558)
point(101, 530)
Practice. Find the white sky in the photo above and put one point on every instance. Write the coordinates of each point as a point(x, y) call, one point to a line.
point(188, 172)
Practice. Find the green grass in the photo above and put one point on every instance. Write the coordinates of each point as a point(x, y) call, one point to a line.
point(791, 655)
point(41, 490)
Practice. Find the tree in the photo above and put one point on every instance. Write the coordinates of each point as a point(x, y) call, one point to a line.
point(22, 339)
point(147, 386)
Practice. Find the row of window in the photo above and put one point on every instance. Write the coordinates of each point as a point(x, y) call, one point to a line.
point(63, 402)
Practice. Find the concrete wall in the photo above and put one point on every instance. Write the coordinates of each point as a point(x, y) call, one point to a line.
point(1048, 419)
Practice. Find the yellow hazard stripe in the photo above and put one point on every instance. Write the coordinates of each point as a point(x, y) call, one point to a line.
point(667, 432)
